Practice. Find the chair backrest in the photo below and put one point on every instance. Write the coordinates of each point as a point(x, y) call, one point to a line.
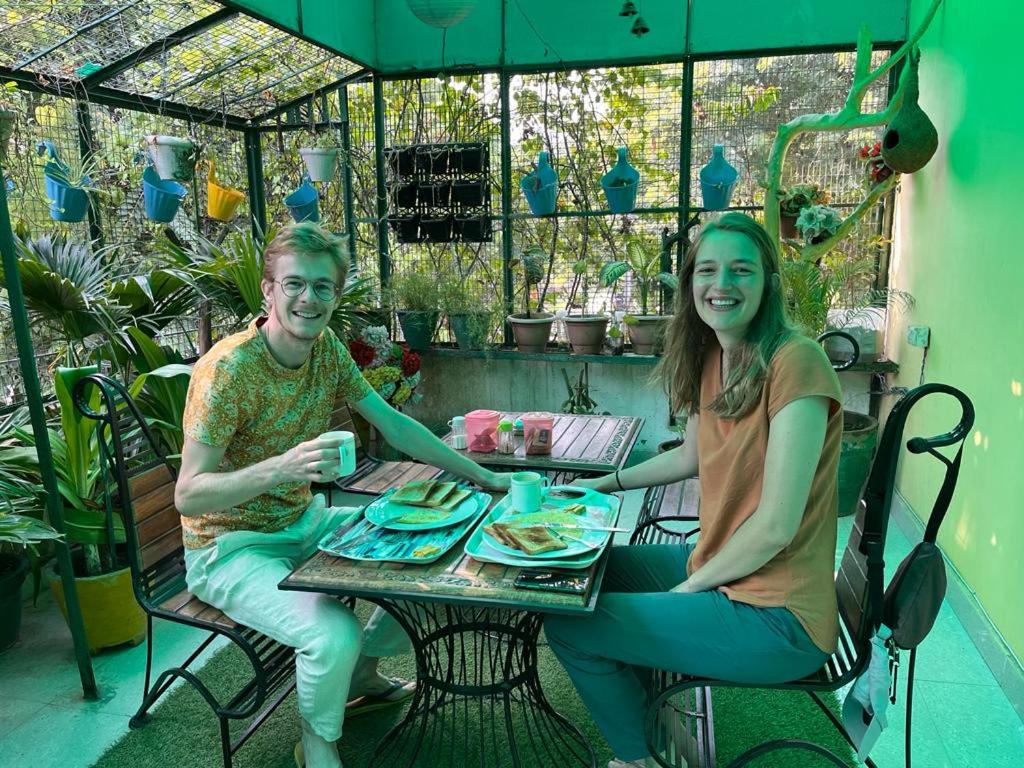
point(860, 579)
point(342, 419)
point(139, 481)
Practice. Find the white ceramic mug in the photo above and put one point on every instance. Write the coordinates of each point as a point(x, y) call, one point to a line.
point(526, 491)
point(346, 451)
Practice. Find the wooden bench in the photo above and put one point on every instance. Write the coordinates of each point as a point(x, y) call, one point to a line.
point(668, 515)
point(372, 475)
point(142, 491)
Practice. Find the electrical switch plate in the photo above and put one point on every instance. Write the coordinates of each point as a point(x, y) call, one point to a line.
point(919, 335)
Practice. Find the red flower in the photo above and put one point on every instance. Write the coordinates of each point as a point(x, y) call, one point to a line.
point(864, 151)
point(361, 352)
point(410, 362)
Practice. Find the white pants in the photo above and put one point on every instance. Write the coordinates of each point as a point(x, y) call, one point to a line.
point(238, 574)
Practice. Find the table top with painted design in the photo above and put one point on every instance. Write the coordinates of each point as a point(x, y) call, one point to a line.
point(455, 578)
point(582, 443)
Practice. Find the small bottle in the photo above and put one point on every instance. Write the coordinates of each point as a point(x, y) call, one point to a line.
point(506, 442)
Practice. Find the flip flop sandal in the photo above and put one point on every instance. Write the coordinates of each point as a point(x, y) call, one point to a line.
point(399, 691)
point(299, 755)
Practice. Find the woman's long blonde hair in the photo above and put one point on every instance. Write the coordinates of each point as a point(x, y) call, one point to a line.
point(687, 336)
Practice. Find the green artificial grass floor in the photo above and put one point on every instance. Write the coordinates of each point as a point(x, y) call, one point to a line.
point(183, 732)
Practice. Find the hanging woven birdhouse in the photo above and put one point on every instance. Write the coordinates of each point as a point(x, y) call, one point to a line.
point(910, 139)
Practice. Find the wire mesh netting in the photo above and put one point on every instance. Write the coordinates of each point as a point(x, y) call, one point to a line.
point(579, 116)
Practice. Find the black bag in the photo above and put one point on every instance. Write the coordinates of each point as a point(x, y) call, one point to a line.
point(914, 596)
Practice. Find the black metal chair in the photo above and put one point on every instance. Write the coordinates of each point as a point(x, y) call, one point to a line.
point(143, 494)
point(859, 585)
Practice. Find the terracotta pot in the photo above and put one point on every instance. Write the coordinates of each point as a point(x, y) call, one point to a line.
point(586, 333)
point(787, 226)
point(645, 333)
point(532, 333)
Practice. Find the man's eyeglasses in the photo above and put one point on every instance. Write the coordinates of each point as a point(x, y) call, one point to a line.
point(296, 286)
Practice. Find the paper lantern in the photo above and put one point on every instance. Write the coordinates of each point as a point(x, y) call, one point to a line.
point(441, 13)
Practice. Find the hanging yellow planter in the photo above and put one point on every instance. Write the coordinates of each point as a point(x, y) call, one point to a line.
point(221, 202)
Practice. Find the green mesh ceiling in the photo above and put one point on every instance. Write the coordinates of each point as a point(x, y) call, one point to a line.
point(385, 35)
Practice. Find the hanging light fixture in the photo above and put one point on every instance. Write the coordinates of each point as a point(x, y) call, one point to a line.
point(441, 13)
point(628, 9)
point(640, 27)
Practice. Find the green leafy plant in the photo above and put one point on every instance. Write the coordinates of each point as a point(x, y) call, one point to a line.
point(798, 196)
point(645, 266)
point(816, 222)
point(533, 264)
point(414, 292)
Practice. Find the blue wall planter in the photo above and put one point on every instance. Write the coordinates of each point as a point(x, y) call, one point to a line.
point(717, 181)
point(541, 187)
point(67, 203)
point(620, 184)
point(303, 203)
point(162, 197)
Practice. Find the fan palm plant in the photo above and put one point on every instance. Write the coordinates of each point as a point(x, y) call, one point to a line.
point(64, 282)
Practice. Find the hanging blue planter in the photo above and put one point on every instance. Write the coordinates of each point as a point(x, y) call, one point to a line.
point(620, 184)
point(303, 203)
point(541, 187)
point(717, 180)
point(67, 203)
point(162, 196)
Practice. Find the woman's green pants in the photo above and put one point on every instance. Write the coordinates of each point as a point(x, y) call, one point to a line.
point(639, 623)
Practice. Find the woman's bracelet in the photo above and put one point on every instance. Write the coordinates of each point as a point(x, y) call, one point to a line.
point(618, 482)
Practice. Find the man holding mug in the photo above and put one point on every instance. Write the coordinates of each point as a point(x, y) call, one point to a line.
point(258, 406)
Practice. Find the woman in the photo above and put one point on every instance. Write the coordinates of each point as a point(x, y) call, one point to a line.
point(753, 600)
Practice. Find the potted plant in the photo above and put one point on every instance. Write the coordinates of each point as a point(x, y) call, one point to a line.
point(817, 223)
point(540, 186)
point(532, 327)
point(174, 159)
point(110, 613)
point(69, 185)
point(469, 317)
point(586, 332)
point(20, 532)
point(811, 291)
point(8, 115)
point(321, 156)
point(644, 329)
point(414, 295)
point(620, 183)
point(792, 200)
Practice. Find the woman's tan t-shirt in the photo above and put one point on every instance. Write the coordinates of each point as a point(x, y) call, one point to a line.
point(731, 465)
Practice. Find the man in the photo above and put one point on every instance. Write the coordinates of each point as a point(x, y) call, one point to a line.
point(256, 403)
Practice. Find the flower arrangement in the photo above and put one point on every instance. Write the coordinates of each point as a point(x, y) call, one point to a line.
point(871, 154)
point(391, 369)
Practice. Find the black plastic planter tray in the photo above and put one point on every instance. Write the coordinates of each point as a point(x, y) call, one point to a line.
point(434, 194)
point(468, 193)
point(468, 158)
point(404, 194)
point(432, 159)
point(401, 160)
point(436, 229)
point(406, 228)
point(473, 228)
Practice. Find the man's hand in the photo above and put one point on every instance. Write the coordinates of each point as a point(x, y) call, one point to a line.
point(314, 461)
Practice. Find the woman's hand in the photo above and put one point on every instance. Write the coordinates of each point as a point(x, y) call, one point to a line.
point(686, 587)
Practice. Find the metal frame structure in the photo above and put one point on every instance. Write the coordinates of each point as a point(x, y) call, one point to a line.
point(94, 88)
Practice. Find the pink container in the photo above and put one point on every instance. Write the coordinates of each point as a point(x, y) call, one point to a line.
point(482, 431)
point(538, 432)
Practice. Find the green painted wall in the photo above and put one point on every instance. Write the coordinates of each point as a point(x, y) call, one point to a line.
point(959, 253)
point(386, 35)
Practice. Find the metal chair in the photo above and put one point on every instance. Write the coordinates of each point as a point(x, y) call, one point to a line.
point(143, 480)
point(859, 581)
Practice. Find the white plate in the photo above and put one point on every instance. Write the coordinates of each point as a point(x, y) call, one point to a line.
point(577, 542)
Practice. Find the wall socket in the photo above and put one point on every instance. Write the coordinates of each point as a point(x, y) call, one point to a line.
point(919, 336)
